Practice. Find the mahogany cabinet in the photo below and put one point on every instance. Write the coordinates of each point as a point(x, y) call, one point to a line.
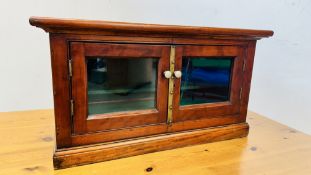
point(124, 89)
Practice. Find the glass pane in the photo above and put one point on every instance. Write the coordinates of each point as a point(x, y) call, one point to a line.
point(205, 80)
point(121, 84)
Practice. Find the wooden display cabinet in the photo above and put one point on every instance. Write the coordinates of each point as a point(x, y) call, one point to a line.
point(124, 89)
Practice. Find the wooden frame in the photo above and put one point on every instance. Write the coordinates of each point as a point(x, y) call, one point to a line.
point(231, 107)
point(82, 140)
point(82, 122)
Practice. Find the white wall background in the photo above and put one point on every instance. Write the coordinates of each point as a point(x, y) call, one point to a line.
point(281, 86)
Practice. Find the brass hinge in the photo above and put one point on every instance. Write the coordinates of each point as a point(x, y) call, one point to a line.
point(71, 107)
point(171, 87)
point(241, 93)
point(70, 67)
point(244, 65)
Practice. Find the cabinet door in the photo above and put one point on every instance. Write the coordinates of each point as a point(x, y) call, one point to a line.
point(117, 86)
point(210, 84)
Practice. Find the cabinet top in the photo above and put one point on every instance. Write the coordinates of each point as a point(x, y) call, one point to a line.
point(76, 26)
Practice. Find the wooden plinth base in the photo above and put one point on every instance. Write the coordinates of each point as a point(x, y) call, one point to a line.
point(65, 158)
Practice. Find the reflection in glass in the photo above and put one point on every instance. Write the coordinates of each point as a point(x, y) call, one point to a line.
point(205, 80)
point(121, 84)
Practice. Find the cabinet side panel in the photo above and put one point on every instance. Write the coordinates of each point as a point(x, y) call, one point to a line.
point(61, 90)
point(248, 69)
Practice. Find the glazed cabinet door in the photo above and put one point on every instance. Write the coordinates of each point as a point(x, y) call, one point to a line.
point(116, 86)
point(208, 84)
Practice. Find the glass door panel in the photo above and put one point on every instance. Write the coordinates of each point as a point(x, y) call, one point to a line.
point(205, 80)
point(121, 84)
point(210, 84)
point(117, 86)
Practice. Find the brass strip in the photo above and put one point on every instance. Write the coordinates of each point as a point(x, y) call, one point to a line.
point(171, 87)
point(70, 67)
point(71, 107)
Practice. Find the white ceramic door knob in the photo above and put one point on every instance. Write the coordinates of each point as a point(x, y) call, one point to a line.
point(177, 74)
point(167, 74)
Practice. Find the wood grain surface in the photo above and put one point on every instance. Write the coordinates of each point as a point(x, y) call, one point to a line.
point(58, 25)
point(27, 144)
